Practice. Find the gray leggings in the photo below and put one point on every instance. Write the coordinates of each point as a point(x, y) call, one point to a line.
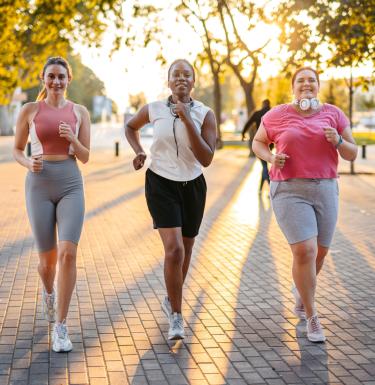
point(55, 197)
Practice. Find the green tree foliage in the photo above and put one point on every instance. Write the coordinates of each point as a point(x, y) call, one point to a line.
point(345, 28)
point(277, 89)
point(31, 31)
point(200, 15)
point(335, 91)
point(365, 102)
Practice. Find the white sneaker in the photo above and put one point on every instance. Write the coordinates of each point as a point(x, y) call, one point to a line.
point(60, 338)
point(314, 330)
point(48, 305)
point(299, 309)
point(167, 308)
point(176, 327)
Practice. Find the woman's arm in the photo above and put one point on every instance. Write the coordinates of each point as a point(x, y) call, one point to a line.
point(80, 144)
point(347, 148)
point(22, 134)
point(203, 144)
point(132, 128)
point(261, 149)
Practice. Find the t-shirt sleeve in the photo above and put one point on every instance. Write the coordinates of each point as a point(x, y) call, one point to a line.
point(342, 121)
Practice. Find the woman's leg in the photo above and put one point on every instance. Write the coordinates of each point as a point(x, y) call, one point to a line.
point(304, 272)
point(173, 265)
point(70, 215)
point(47, 268)
point(188, 246)
point(41, 211)
point(322, 252)
point(66, 278)
point(47, 272)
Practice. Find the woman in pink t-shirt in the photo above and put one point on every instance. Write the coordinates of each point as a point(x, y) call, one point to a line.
point(308, 137)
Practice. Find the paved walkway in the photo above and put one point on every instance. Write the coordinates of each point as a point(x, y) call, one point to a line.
point(237, 301)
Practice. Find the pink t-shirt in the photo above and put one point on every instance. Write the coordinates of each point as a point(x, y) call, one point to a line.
point(302, 138)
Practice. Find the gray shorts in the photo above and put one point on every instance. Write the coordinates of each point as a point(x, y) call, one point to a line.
point(54, 197)
point(306, 208)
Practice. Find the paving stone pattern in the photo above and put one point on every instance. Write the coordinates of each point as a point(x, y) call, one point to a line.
point(237, 299)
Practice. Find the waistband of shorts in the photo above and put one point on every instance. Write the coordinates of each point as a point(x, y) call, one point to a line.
point(305, 180)
point(176, 182)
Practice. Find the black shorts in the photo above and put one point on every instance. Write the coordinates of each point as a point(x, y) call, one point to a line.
point(176, 204)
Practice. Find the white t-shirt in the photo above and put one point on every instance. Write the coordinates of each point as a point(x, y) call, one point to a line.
point(164, 159)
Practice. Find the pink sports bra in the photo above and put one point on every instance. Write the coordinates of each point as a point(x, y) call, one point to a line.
point(44, 129)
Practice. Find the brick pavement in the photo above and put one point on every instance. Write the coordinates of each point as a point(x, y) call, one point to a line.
point(237, 300)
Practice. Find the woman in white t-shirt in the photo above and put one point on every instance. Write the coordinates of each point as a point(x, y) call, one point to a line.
point(183, 141)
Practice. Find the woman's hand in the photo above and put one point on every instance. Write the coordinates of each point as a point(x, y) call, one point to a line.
point(36, 164)
point(66, 132)
point(278, 160)
point(183, 111)
point(139, 160)
point(331, 135)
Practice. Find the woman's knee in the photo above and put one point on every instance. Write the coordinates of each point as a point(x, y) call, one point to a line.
point(47, 265)
point(48, 260)
point(304, 253)
point(175, 254)
point(67, 256)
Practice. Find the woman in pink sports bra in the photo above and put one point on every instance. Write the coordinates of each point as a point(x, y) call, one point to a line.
point(309, 137)
point(60, 133)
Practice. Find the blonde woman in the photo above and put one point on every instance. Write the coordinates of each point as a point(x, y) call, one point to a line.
point(60, 133)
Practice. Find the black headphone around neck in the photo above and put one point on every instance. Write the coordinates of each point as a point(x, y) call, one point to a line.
point(172, 106)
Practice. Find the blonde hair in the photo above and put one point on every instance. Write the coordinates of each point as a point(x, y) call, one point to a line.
point(53, 60)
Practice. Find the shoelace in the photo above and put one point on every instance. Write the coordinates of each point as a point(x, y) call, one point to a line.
point(177, 322)
point(61, 331)
point(50, 299)
point(315, 324)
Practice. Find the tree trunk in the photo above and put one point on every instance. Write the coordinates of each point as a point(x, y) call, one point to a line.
point(5, 123)
point(250, 106)
point(248, 91)
point(217, 107)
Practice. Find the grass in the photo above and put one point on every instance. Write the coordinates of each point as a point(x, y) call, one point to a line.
point(364, 137)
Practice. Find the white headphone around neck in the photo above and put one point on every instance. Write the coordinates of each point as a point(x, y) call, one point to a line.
point(305, 104)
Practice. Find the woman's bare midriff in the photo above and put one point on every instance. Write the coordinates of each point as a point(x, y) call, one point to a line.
point(56, 157)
